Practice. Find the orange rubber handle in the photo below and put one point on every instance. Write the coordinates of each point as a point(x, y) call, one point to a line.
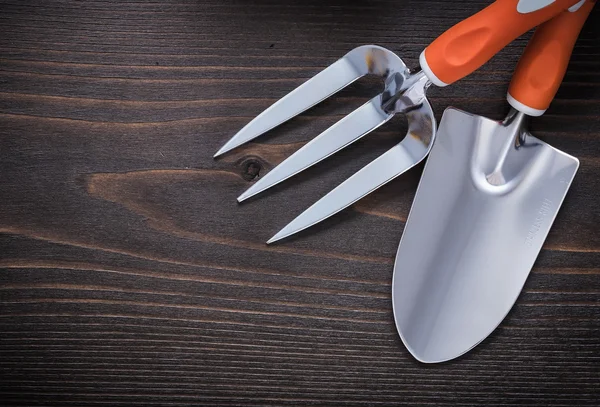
point(544, 62)
point(471, 43)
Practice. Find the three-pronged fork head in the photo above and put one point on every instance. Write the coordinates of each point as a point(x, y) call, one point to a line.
point(403, 92)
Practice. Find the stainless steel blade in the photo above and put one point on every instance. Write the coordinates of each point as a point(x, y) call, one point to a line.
point(487, 198)
point(367, 59)
point(394, 162)
point(343, 133)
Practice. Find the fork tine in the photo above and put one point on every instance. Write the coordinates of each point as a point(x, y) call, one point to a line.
point(327, 82)
point(379, 172)
point(396, 161)
point(346, 131)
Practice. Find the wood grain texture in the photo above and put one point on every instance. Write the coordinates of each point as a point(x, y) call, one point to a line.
point(129, 275)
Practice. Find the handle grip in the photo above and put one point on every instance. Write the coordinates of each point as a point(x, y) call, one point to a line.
point(544, 62)
point(471, 43)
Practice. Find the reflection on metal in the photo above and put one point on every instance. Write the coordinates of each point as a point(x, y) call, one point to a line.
point(486, 201)
point(403, 94)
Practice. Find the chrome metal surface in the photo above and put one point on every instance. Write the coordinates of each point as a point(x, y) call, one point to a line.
point(400, 158)
point(488, 196)
point(403, 93)
point(349, 129)
point(363, 60)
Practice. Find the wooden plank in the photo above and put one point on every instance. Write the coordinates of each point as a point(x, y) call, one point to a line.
point(130, 276)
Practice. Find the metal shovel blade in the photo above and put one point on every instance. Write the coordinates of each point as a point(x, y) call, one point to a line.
point(486, 201)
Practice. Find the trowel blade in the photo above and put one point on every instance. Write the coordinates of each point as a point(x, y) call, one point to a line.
point(483, 208)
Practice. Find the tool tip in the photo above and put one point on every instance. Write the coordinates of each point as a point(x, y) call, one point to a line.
point(250, 192)
point(274, 239)
point(282, 234)
point(221, 151)
point(234, 142)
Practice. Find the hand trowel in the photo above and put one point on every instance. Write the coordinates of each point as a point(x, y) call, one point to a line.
point(486, 201)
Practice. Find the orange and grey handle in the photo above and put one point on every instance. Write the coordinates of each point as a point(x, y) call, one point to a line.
point(471, 43)
point(543, 64)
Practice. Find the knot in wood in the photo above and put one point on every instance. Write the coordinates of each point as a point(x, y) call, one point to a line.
point(251, 169)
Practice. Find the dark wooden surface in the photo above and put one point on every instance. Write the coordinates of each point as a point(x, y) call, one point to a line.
point(130, 276)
